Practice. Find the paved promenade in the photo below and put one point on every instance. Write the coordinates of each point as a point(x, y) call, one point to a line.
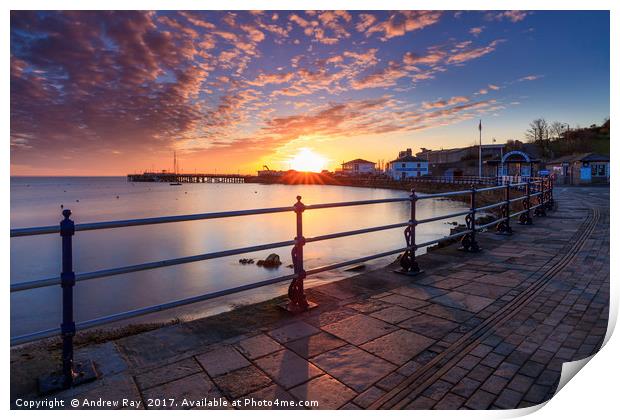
point(474, 331)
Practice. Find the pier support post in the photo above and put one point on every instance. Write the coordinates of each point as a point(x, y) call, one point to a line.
point(72, 373)
point(298, 302)
point(408, 263)
point(469, 242)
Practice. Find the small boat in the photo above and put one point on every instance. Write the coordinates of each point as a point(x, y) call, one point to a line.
point(175, 183)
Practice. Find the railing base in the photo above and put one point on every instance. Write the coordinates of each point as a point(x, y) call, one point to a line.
point(471, 250)
point(294, 309)
point(84, 372)
point(409, 273)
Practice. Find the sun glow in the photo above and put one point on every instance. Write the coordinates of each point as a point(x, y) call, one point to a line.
point(308, 161)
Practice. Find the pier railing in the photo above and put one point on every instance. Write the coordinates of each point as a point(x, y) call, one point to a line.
point(536, 199)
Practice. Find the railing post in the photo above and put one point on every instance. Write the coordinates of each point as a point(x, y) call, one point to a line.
point(540, 208)
point(408, 262)
point(296, 294)
point(549, 194)
point(469, 242)
point(72, 373)
point(67, 278)
point(503, 227)
point(526, 218)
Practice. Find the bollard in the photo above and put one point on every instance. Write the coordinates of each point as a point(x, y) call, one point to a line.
point(526, 218)
point(408, 263)
point(469, 242)
point(297, 297)
point(503, 227)
point(72, 374)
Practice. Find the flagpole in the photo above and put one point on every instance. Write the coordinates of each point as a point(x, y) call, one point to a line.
point(480, 151)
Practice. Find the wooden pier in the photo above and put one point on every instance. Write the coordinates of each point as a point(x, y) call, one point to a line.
point(189, 178)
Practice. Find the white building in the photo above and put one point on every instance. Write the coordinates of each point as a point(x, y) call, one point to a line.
point(407, 166)
point(358, 167)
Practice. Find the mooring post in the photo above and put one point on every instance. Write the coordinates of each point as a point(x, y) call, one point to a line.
point(67, 281)
point(296, 294)
point(408, 261)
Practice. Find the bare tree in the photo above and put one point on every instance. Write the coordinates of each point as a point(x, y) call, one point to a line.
point(538, 131)
point(557, 130)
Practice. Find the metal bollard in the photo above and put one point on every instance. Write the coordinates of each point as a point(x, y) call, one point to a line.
point(296, 294)
point(72, 374)
point(408, 263)
point(469, 242)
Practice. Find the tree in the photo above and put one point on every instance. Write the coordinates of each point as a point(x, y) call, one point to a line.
point(557, 130)
point(538, 131)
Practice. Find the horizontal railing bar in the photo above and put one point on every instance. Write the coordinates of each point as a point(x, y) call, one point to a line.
point(488, 225)
point(26, 338)
point(519, 212)
point(176, 303)
point(499, 187)
point(491, 206)
point(442, 217)
point(148, 221)
point(149, 266)
point(355, 232)
point(445, 238)
point(35, 284)
point(446, 194)
point(151, 309)
point(355, 261)
point(512, 200)
point(355, 203)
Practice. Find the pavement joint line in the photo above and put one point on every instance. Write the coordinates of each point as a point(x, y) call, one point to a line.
point(450, 356)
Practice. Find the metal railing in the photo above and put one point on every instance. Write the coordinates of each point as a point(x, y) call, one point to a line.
point(540, 190)
point(475, 180)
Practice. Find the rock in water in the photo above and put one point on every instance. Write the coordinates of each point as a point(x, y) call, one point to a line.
point(272, 260)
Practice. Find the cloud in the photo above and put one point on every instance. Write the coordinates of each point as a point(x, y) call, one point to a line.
point(399, 23)
point(530, 78)
point(476, 31)
point(444, 103)
point(511, 15)
point(275, 78)
point(471, 54)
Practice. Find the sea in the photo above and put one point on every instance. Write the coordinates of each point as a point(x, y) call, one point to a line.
point(39, 201)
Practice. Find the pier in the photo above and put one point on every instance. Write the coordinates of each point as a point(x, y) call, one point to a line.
point(197, 178)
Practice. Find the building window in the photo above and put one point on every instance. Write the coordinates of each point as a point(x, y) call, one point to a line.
point(598, 169)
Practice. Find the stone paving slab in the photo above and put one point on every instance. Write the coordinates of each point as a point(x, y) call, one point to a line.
point(354, 367)
point(441, 340)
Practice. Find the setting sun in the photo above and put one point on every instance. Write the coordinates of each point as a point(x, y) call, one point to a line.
point(308, 161)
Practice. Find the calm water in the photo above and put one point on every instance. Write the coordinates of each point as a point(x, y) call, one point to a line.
point(36, 202)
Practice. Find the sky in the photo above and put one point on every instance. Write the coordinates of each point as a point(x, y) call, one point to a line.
point(111, 93)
